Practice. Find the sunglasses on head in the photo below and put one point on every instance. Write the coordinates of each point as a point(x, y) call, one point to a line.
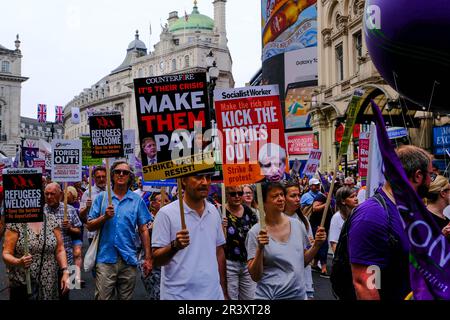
point(121, 172)
point(236, 193)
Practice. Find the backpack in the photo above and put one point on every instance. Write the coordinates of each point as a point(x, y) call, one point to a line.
point(341, 271)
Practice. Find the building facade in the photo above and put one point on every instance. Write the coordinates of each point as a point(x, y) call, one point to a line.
point(10, 96)
point(185, 42)
point(345, 65)
point(32, 130)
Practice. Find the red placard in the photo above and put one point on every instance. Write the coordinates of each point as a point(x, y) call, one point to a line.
point(300, 144)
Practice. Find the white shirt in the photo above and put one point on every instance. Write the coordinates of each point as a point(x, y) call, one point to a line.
point(361, 195)
point(193, 273)
point(335, 227)
point(139, 192)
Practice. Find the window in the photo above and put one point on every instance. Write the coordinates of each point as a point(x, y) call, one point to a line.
point(5, 66)
point(339, 62)
point(174, 65)
point(357, 40)
point(357, 48)
point(150, 70)
point(186, 61)
point(140, 73)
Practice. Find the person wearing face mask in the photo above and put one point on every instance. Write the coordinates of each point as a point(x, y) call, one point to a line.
point(437, 199)
point(346, 200)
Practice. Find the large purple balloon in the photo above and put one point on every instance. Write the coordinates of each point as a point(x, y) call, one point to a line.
point(409, 42)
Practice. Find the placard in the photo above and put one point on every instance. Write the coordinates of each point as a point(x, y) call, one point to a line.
point(23, 195)
point(86, 151)
point(106, 135)
point(253, 142)
point(173, 117)
point(66, 160)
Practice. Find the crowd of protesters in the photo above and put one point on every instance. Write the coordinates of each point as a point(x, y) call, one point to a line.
point(221, 252)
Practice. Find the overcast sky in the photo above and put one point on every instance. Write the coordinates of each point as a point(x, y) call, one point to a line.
point(69, 45)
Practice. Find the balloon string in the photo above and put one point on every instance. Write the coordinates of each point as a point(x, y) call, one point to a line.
point(429, 107)
point(400, 98)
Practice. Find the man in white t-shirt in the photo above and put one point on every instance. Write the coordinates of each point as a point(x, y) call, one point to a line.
point(192, 259)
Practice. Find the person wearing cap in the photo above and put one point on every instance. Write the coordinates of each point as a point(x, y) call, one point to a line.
point(192, 259)
point(314, 190)
point(438, 198)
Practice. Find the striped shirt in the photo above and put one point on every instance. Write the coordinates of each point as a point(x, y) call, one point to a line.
point(74, 220)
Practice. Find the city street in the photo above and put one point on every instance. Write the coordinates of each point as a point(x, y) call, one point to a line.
point(322, 286)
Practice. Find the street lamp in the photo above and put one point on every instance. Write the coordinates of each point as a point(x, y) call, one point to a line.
point(212, 74)
point(22, 139)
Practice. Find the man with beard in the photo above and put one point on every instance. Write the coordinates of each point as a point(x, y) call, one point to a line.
point(192, 259)
point(376, 237)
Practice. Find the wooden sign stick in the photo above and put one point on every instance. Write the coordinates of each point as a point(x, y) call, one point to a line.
point(330, 192)
point(65, 202)
point(108, 181)
point(26, 252)
point(224, 210)
point(90, 182)
point(262, 213)
point(180, 198)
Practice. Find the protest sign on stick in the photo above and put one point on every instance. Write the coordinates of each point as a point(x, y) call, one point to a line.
point(173, 114)
point(106, 135)
point(352, 112)
point(250, 122)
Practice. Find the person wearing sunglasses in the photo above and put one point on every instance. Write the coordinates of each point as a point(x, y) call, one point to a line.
point(238, 221)
point(437, 199)
point(192, 259)
point(117, 258)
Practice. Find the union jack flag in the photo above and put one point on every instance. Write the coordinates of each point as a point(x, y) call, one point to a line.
point(42, 112)
point(59, 114)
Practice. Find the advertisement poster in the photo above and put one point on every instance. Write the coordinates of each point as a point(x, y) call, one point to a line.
point(106, 135)
point(287, 25)
point(66, 160)
point(253, 141)
point(313, 163)
point(301, 66)
point(363, 156)
point(23, 196)
point(300, 144)
point(297, 105)
point(87, 159)
point(174, 124)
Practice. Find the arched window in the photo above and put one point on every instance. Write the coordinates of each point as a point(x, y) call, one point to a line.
point(150, 70)
point(186, 61)
point(5, 66)
point(174, 64)
point(140, 73)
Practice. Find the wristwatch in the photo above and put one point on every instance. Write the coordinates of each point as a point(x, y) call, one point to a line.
point(173, 246)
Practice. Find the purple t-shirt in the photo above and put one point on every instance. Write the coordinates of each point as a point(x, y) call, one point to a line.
point(368, 241)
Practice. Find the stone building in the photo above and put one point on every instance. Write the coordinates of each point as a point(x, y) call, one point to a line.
point(10, 95)
point(185, 42)
point(345, 65)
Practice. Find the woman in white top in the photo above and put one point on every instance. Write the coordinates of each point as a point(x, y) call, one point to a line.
point(277, 253)
point(346, 200)
point(292, 209)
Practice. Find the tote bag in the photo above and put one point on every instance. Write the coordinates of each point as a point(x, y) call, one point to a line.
point(91, 254)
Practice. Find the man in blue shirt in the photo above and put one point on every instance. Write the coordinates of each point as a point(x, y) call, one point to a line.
point(117, 253)
point(314, 190)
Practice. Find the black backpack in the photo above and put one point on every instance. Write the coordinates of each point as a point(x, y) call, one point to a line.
point(341, 271)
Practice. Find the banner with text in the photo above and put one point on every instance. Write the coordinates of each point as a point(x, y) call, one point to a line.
point(106, 135)
point(313, 163)
point(23, 197)
point(300, 144)
point(173, 118)
point(363, 156)
point(253, 141)
point(66, 160)
point(87, 159)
